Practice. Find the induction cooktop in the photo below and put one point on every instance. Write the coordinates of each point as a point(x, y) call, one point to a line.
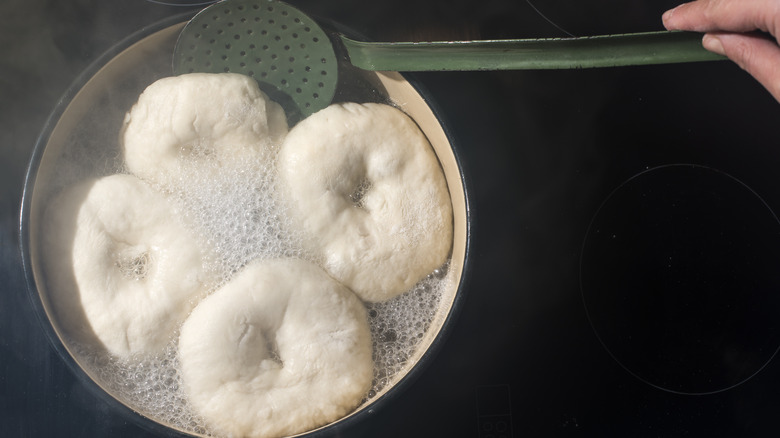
point(623, 278)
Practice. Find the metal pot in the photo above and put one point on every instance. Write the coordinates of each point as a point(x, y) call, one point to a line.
point(96, 103)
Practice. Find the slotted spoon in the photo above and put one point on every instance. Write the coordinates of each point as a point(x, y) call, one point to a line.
point(294, 61)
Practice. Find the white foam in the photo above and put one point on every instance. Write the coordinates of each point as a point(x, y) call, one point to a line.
point(237, 211)
point(239, 214)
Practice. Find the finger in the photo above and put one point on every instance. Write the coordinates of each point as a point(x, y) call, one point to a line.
point(756, 55)
point(728, 15)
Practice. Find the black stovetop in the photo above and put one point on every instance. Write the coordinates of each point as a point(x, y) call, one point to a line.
point(622, 277)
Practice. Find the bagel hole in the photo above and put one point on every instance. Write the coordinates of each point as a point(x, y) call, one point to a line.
point(201, 148)
point(260, 343)
point(133, 267)
point(273, 350)
point(358, 195)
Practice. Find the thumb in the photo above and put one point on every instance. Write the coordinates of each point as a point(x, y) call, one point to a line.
point(755, 54)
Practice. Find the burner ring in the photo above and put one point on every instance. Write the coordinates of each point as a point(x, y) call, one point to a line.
point(680, 281)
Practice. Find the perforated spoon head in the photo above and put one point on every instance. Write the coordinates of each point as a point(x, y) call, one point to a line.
point(294, 62)
point(288, 54)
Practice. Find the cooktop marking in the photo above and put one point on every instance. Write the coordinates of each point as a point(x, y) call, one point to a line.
point(680, 278)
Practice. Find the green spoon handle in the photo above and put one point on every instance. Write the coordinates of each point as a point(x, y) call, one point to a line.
point(528, 54)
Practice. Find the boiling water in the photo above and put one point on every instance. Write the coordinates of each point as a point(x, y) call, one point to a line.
point(242, 219)
point(238, 213)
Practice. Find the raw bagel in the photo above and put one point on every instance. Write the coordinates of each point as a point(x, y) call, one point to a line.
point(367, 189)
point(280, 349)
point(122, 269)
point(185, 125)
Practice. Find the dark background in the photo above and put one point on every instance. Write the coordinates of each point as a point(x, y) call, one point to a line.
point(542, 150)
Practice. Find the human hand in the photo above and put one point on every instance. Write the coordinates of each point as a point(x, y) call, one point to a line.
point(729, 27)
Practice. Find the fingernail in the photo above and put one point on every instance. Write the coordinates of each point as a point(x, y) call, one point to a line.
point(713, 44)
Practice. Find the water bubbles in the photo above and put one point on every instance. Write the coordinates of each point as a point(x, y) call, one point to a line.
point(237, 212)
point(399, 326)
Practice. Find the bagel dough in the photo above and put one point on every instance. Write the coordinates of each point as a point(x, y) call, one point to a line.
point(368, 191)
point(121, 267)
point(280, 349)
point(186, 125)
